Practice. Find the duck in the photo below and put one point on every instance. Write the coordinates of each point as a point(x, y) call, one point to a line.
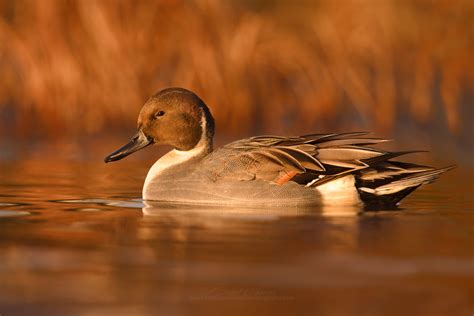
point(264, 171)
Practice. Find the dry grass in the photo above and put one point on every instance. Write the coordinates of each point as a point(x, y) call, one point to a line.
point(78, 67)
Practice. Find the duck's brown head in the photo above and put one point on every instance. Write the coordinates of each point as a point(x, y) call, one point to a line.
point(173, 116)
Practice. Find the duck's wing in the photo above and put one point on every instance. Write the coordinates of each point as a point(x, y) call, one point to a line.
point(316, 159)
point(308, 160)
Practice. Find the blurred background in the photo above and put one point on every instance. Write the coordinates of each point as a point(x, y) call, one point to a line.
point(81, 70)
point(73, 77)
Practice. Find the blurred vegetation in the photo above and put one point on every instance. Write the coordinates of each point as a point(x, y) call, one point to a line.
point(82, 67)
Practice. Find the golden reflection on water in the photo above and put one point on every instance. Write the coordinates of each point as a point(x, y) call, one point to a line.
point(78, 240)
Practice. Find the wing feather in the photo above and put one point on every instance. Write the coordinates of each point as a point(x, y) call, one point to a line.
point(348, 153)
point(305, 159)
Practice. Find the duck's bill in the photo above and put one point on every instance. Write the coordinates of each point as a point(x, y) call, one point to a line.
point(138, 141)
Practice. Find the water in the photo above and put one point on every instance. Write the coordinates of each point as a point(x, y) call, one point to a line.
point(75, 239)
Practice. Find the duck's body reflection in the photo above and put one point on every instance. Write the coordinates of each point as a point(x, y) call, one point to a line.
point(158, 209)
point(187, 222)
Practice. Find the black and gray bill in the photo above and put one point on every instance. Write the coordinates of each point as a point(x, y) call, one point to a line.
point(138, 141)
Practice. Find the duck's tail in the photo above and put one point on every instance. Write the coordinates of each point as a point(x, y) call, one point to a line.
point(391, 182)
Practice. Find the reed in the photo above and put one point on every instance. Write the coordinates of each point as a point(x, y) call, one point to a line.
point(82, 67)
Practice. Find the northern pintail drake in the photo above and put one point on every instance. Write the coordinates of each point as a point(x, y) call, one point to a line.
point(314, 169)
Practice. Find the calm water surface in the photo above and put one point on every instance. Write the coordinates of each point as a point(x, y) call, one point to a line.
point(75, 239)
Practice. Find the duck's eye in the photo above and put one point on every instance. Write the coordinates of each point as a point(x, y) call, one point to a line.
point(159, 113)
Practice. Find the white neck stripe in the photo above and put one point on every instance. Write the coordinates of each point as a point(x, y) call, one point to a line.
point(176, 157)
